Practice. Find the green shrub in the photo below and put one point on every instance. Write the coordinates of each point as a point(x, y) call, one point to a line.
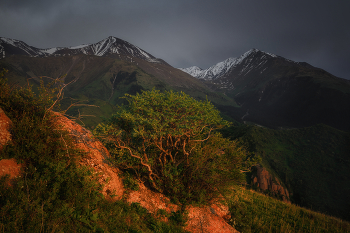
point(55, 193)
point(169, 138)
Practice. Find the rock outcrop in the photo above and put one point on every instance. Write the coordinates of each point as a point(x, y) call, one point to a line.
point(96, 156)
point(268, 183)
point(10, 167)
point(210, 219)
point(5, 126)
point(7, 166)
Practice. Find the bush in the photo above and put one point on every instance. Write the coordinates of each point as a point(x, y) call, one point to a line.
point(54, 192)
point(169, 138)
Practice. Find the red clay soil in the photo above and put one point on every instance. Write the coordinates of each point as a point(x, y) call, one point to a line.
point(10, 167)
point(96, 157)
point(5, 125)
point(7, 166)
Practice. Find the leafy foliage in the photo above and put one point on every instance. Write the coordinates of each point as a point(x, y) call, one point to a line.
point(54, 192)
point(170, 138)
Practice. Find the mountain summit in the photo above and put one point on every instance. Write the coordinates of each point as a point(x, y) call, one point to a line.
point(111, 46)
point(252, 59)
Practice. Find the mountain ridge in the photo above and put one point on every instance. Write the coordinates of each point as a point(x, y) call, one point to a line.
point(108, 46)
point(221, 69)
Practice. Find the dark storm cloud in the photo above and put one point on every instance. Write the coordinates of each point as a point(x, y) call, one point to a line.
point(191, 32)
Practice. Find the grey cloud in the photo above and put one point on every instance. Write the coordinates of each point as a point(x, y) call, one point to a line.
point(191, 32)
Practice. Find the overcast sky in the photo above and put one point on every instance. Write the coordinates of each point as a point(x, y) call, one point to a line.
point(191, 32)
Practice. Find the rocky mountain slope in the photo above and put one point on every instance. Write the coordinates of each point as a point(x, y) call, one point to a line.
point(277, 92)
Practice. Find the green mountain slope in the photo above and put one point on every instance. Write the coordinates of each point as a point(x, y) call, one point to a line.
point(254, 212)
point(102, 80)
point(312, 162)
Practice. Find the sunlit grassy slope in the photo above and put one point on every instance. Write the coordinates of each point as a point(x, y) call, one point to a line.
point(312, 162)
point(255, 212)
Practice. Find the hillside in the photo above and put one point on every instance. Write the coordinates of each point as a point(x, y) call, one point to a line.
point(101, 81)
point(57, 192)
point(255, 212)
point(102, 72)
point(312, 162)
point(56, 176)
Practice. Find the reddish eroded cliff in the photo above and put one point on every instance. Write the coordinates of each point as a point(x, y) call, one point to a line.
point(7, 166)
point(96, 156)
point(10, 167)
point(5, 126)
point(266, 182)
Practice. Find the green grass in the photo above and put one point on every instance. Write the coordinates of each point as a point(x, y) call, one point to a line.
point(312, 162)
point(255, 212)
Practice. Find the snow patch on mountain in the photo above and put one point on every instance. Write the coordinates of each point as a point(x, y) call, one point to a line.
point(50, 50)
point(194, 71)
point(214, 71)
point(79, 46)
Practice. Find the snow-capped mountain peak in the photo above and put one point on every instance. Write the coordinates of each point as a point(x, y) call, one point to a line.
point(108, 46)
point(10, 46)
point(251, 59)
point(214, 71)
